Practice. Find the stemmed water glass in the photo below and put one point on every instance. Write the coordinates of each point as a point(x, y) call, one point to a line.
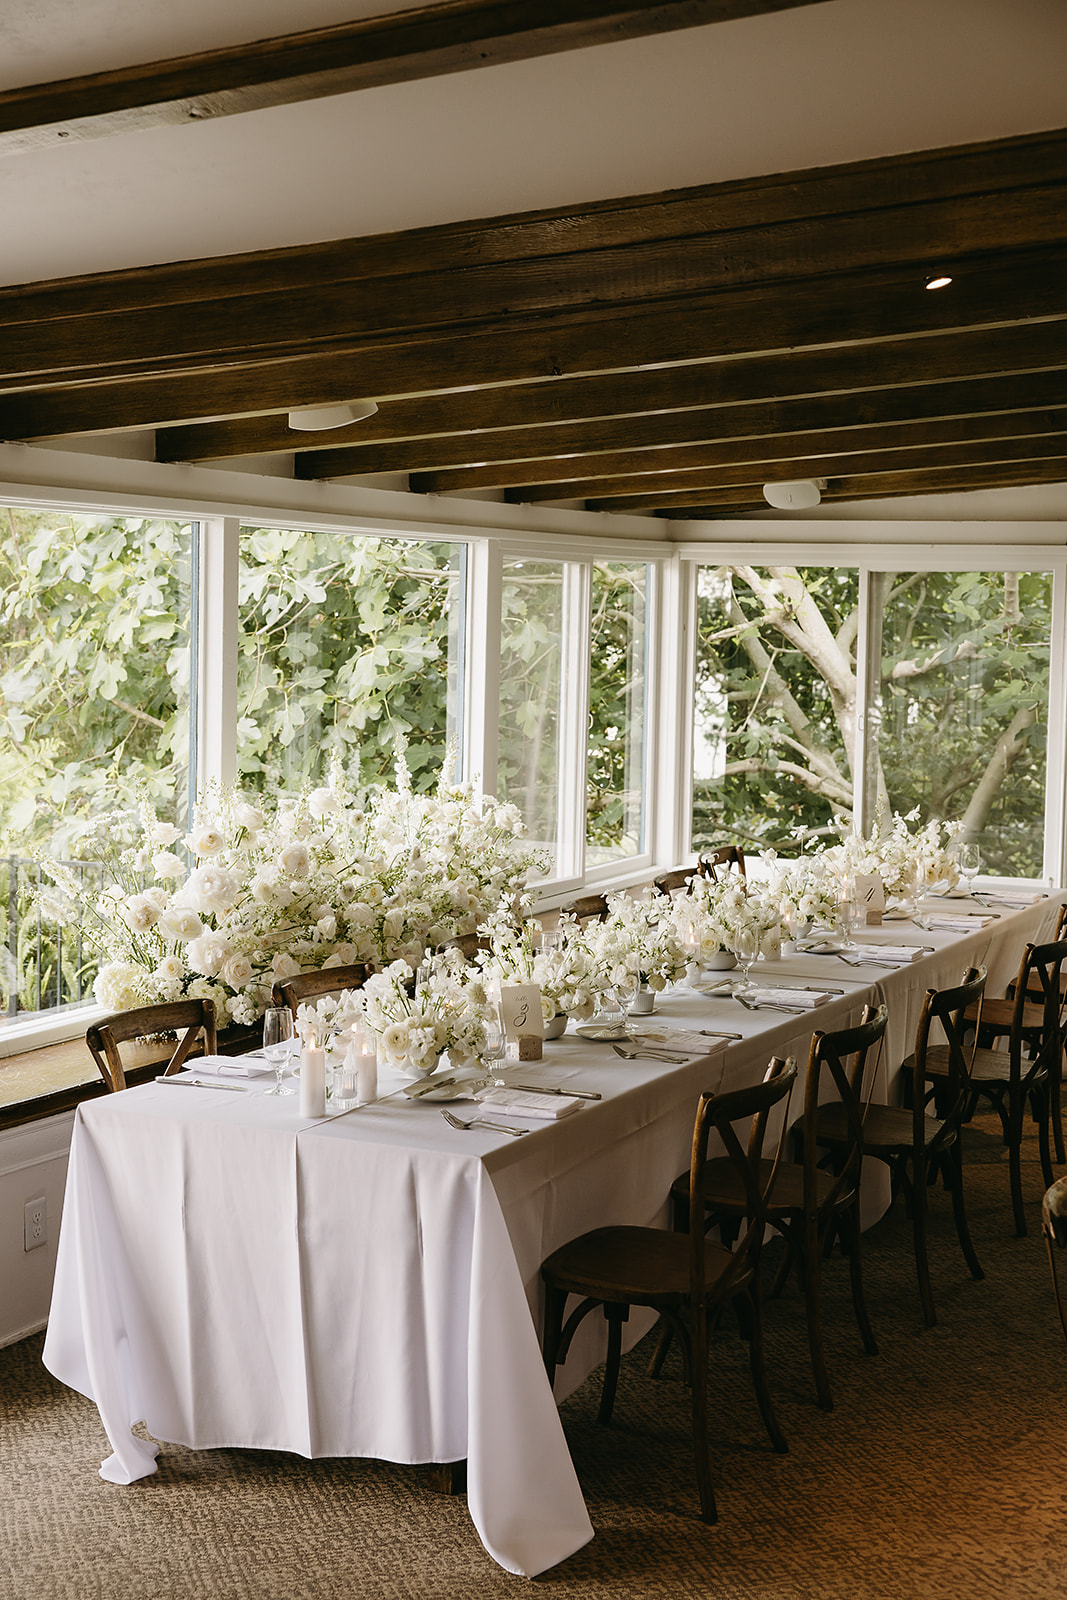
point(277, 1035)
point(746, 949)
point(969, 861)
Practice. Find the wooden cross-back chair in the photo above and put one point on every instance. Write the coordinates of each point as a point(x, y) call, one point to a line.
point(914, 1144)
point(681, 878)
point(1024, 1074)
point(717, 863)
point(292, 992)
point(588, 908)
point(683, 1278)
point(808, 1202)
point(195, 1017)
point(469, 945)
point(996, 1021)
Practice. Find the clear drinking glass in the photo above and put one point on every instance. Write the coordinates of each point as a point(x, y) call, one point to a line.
point(969, 860)
point(746, 949)
point(277, 1035)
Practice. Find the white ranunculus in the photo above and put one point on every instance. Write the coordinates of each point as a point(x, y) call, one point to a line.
point(395, 1039)
point(208, 953)
point(293, 860)
point(180, 922)
point(165, 864)
point(139, 914)
point(236, 970)
point(211, 889)
point(165, 834)
point(206, 841)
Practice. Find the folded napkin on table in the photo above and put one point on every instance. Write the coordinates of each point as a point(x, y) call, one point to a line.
point(520, 1103)
point(1012, 897)
point(798, 998)
point(229, 1066)
point(889, 952)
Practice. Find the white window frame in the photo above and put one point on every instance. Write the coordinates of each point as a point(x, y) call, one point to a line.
point(981, 556)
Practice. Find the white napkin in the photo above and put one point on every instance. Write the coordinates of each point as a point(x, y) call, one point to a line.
point(519, 1103)
point(798, 999)
point(892, 952)
point(229, 1066)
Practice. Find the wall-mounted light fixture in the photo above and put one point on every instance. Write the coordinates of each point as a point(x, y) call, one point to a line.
point(798, 495)
point(937, 280)
point(316, 419)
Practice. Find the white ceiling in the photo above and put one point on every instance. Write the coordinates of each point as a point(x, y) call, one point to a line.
point(838, 81)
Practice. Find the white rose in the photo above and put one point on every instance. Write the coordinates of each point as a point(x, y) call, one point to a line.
point(157, 896)
point(165, 864)
point(207, 954)
point(180, 922)
point(236, 970)
point(206, 841)
point(212, 890)
point(283, 966)
point(164, 834)
point(139, 914)
point(248, 817)
point(293, 860)
point(359, 916)
point(322, 801)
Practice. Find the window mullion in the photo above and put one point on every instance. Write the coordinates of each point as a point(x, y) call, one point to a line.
point(218, 625)
point(574, 719)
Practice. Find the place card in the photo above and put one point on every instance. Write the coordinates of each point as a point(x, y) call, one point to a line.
point(870, 893)
point(520, 1006)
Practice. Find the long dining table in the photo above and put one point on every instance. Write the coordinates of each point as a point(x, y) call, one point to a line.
point(231, 1274)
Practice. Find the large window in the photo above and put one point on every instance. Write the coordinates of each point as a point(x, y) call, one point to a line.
point(615, 781)
point(347, 649)
point(94, 710)
point(533, 599)
point(939, 678)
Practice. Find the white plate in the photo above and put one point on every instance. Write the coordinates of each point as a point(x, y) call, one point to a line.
point(451, 1087)
point(619, 1034)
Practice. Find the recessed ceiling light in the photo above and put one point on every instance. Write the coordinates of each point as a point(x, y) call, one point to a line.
point(939, 280)
point(316, 419)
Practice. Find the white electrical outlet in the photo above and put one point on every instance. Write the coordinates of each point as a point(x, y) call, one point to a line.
point(36, 1224)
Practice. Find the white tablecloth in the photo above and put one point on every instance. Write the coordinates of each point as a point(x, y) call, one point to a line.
point(231, 1275)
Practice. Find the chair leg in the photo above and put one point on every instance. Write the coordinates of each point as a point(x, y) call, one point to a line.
point(663, 1344)
point(811, 1273)
point(919, 1206)
point(851, 1221)
point(953, 1166)
point(1014, 1140)
point(698, 1355)
point(615, 1317)
point(751, 1313)
point(1044, 1118)
point(1055, 1089)
point(555, 1303)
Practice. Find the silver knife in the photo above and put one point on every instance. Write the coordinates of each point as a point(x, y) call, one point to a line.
point(200, 1083)
point(542, 1088)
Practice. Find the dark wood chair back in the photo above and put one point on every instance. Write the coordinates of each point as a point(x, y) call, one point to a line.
point(843, 1055)
point(195, 1017)
point(717, 863)
point(469, 945)
point(292, 992)
point(589, 908)
point(669, 882)
point(945, 1013)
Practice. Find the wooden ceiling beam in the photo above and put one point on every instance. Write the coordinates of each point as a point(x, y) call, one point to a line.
point(807, 314)
point(991, 171)
point(427, 41)
point(904, 240)
point(772, 451)
point(888, 486)
point(677, 405)
point(1035, 463)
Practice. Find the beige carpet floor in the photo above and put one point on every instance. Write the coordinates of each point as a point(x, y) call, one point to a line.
point(941, 1474)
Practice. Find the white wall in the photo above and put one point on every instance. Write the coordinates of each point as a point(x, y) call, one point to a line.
point(33, 1162)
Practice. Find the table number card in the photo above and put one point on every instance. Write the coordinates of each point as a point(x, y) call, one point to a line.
point(520, 1004)
point(870, 892)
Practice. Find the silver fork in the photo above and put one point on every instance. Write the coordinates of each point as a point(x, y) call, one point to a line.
point(482, 1122)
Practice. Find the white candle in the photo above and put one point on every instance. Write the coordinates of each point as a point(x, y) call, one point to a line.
point(312, 1079)
point(367, 1071)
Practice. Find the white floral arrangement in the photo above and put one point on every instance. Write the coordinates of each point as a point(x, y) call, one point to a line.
point(417, 1021)
point(641, 936)
point(333, 1019)
point(323, 878)
point(908, 863)
point(568, 969)
point(711, 914)
point(804, 891)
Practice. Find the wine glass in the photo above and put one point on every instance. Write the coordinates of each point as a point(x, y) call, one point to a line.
point(969, 861)
point(494, 1050)
point(746, 949)
point(277, 1034)
point(851, 914)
